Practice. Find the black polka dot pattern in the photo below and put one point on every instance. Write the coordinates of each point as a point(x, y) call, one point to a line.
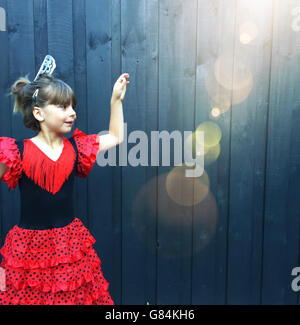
point(88, 147)
point(10, 156)
point(57, 266)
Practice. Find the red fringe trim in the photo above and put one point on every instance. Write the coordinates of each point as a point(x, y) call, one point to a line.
point(48, 174)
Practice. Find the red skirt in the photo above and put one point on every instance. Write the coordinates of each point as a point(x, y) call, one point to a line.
point(57, 266)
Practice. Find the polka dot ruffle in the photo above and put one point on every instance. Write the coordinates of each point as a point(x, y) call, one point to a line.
point(88, 147)
point(53, 266)
point(10, 156)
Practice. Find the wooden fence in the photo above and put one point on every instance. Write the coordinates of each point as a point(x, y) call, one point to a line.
point(232, 63)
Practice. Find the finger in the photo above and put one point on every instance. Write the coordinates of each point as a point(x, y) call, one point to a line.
point(123, 77)
point(124, 81)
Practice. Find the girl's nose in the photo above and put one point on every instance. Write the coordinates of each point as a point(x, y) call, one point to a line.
point(73, 113)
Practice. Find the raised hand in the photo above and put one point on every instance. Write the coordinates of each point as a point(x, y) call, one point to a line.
point(119, 88)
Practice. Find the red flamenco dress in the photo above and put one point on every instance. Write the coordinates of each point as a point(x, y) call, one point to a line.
point(48, 257)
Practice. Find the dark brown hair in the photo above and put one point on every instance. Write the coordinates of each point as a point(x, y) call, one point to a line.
point(52, 91)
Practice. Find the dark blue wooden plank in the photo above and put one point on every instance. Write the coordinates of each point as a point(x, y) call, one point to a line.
point(116, 236)
point(5, 120)
point(281, 228)
point(40, 34)
point(177, 62)
point(139, 183)
point(151, 75)
point(216, 23)
point(100, 195)
point(60, 39)
point(248, 141)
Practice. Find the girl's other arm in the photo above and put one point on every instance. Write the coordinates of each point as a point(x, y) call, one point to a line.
point(3, 169)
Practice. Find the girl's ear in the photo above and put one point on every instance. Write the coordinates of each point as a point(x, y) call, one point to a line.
point(38, 113)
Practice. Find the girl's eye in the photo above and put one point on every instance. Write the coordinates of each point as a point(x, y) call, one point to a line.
point(64, 107)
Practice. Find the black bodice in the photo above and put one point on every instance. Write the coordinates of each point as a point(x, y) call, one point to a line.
point(41, 209)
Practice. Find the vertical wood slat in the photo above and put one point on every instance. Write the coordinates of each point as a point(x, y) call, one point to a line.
point(151, 29)
point(115, 237)
point(177, 57)
point(100, 195)
point(133, 57)
point(281, 228)
point(40, 34)
point(60, 38)
point(5, 119)
point(248, 140)
point(217, 19)
point(139, 53)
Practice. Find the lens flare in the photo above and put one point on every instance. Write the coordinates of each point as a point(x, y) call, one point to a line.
point(220, 96)
point(227, 82)
point(212, 137)
point(248, 32)
point(184, 190)
point(215, 112)
point(234, 76)
point(212, 133)
point(212, 154)
point(155, 213)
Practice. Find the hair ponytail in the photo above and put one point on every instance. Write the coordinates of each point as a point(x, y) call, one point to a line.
point(23, 90)
point(17, 89)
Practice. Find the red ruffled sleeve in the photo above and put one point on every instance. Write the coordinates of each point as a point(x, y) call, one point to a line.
point(88, 147)
point(10, 156)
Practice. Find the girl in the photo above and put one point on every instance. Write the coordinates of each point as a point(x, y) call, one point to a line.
point(48, 257)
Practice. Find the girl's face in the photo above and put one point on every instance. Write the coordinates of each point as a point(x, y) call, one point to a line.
point(56, 118)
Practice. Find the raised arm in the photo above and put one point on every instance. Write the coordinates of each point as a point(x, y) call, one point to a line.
point(116, 125)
